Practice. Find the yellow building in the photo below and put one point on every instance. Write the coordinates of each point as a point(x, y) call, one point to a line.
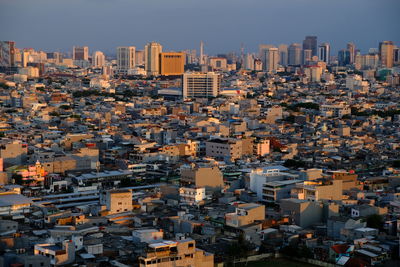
point(172, 63)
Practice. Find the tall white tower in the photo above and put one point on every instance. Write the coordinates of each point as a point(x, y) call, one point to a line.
point(125, 58)
point(201, 61)
point(152, 58)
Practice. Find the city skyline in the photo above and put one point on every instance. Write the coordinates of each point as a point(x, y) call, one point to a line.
point(223, 27)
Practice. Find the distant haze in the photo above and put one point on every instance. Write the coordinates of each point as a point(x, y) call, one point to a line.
point(57, 25)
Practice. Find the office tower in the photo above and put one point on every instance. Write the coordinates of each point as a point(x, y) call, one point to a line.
point(152, 58)
point(271, 59)
point(201, 59)
point(324, 52)
point(294, 54)
point(201, 85)
point(283, 54)
point(396, 55)
point(307, 56)
point(25, 58)
point(7, 54)
point(248, 62)
point(139, 58)
point(352, 51)
point(80, 53)
point(344, 57)
point(386, 53)
point(261, 52)
point(98, 59)
point(311, 43)
point(125, 58)
point(172, 63)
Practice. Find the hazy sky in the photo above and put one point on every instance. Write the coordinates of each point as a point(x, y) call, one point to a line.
point(57, 25)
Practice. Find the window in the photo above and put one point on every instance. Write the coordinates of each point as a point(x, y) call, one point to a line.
point(191, 245)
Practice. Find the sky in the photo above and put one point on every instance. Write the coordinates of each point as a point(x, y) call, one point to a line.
point(223, 25)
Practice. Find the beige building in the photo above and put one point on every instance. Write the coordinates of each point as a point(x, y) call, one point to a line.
point(318, 189)
point(201, 85)
point(245, 214)
point(230, 149)
point(209, 177)
point(386, 53)
point(59, 255)
point(218, 63)
point(172, 63)
point(116, 201)
point(152, 58)
point(176, 253)
point(13, 153)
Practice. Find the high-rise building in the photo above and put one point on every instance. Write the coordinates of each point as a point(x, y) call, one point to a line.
point(248, 62)
point(294, 54)
point(80, 53)
point(201, 58)
point(324, 52)
point(125, 58)
point(307, 56)
point(172, 63)
point(344, 57)
point(271, 59)
point(261, 50)
point(386, 53)
point(396, 55)
point(139, 58)
point(201, 85)
point(283, 54)
point(7, 54)
point(311, 43)
point(98, 59)
point(352, 52)
point(152, 58)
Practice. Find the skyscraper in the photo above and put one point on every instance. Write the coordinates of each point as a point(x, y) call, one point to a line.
point(310, 43)
point(352, 51)
point(201, 85)
point(201, 58)
point(396, 55)
point(139, 57)
point(324, 52)
point(152, 58)
point(294, 54)
point(386, 53)
point(283, 54)
point(125, 58)
point(344, 57)
point(80, 53)
point(271, 59)
point(172, 63)
point(7, 54)
point(98, 59)
point(261, 50)
point(307, 56)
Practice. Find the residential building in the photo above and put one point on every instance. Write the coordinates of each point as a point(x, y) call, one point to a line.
point(176, 253)
point(245, 214)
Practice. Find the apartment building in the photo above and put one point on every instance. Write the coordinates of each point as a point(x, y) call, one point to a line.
point(245, 214)
point(320, 189)
point(175, 253)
